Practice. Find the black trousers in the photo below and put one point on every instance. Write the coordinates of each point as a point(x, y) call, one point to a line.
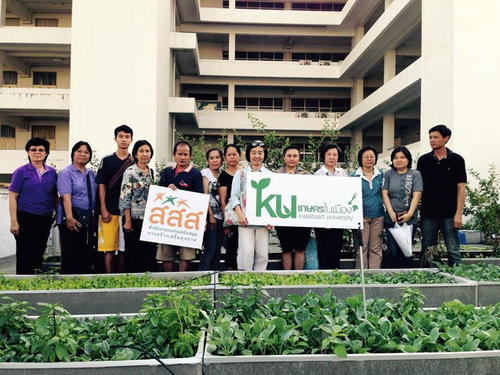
point(76, 250)
point(140, 256)
point(329, 247)
point(231, 246)
point(31, 242)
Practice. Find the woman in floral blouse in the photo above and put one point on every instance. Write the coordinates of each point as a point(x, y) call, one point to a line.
point(139, 255)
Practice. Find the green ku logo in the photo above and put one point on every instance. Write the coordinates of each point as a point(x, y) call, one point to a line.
point(280, 211)
point(354, 207)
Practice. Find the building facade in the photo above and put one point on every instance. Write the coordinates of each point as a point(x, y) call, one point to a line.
point(384, 70)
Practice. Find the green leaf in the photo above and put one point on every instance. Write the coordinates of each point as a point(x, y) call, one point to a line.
point(340, 351)
point(254, 184)
point(453, 332)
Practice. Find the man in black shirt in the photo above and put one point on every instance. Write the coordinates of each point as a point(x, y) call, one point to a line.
point(443, 172)
point(109, 179)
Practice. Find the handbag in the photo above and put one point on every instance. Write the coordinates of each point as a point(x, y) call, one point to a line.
point(311, 255)
point(402, 234)
point(86, 217)
point(230, 215)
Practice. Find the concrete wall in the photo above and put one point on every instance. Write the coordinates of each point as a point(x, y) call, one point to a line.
point(460, 81)
point(129, 82)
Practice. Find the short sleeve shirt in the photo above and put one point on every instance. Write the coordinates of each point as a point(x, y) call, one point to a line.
point(74, 182)
point(401, 188)
point(226, 180)
point(107, 169)
point(439, 198)
point(134, 190)
point(36, 192)
point(213, 192)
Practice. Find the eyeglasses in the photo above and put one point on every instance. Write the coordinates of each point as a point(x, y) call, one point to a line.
point(257, 143)
point(36, 149)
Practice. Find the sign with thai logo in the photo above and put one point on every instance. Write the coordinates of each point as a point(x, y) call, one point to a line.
point(175, 217)
point(304, 201)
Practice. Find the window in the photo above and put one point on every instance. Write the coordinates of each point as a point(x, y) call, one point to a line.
point(10, 21)
point(258, 56)
point(257, 4)
point(263, 104)
point(8, 131)
point(45, 132)
point(318, 6)
point(47, 22)
point(9, 78)
point(225, 55)
point(44, 78)
point(320, 105)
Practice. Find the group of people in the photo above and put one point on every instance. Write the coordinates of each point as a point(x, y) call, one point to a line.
point(103, 213)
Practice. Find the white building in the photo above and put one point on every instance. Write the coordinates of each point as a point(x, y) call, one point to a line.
point(392, 69)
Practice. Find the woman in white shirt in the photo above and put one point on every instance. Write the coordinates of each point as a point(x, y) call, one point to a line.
point(253, 240)
point(329, 240)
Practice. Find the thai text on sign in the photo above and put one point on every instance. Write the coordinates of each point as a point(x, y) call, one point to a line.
point(175, 217)
point(304, 201)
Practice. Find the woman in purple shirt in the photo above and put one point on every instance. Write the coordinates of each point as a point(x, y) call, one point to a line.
point(32, 199)
point(77, 189)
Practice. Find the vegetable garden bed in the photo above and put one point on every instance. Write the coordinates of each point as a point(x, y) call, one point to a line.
point(110, 293)
point(437, 286)
point(167, 327)
point(487, 277)
point(311, 333)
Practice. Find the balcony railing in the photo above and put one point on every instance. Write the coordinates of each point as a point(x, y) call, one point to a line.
point(34, 98)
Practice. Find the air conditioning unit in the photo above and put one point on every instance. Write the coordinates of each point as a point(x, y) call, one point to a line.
point(305, 62)
point(325, 62)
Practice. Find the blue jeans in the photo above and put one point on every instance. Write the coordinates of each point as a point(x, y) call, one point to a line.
point(397, 258)
point(210, 259)
point(430, 229)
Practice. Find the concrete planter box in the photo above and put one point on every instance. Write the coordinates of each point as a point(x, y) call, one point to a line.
point(494, 261)
point(103, 301)
point(182, 366)
point(488, 293)
point(436, 294)
point(466, 363)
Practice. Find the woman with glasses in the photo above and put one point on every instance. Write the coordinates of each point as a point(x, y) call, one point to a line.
point(373, 209)
point(78, 190)
point(32, 200)
point(252, 240)
point(329, 239)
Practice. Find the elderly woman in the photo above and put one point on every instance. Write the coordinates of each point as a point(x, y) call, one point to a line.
point(329, 240)
point(140, 256)
point(401, 191)
point(32, 199)
point(253, 241)
point(373, 209)
point(77, 189)
point(293, 240)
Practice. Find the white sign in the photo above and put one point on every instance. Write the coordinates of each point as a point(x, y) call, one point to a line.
point(304, 201)
point(175, 217)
